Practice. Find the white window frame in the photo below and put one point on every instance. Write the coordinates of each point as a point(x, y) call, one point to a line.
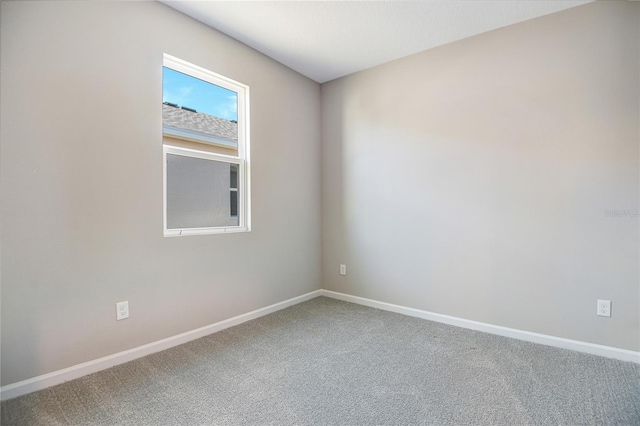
point(242, 159)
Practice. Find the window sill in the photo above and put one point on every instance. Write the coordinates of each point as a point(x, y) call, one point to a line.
point(204, 231)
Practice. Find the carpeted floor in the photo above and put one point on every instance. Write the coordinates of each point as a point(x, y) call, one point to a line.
point(331, 362)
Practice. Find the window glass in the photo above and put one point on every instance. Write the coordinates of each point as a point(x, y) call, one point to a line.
point(233, 195)
point(193, 109)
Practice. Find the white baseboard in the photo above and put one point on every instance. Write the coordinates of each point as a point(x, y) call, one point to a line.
point(51, 379)
point(544, 339)
point(55, 378)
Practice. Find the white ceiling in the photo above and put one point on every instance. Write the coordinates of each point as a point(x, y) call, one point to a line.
point(325, 40)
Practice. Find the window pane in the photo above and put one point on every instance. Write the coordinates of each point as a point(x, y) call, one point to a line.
point(196, 110)
point(198, 193)
point(234, 203)
point(234, 190)
point(234, 176)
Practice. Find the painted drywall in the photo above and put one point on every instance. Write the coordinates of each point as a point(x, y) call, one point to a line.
point(474, 179)
point(81, 185)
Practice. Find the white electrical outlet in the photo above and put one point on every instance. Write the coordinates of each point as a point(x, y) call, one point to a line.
point(122, 310)
point(343, 269)
point(604, 308)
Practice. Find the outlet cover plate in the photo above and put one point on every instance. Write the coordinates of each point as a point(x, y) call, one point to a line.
point(122, 310)
point(604, 308)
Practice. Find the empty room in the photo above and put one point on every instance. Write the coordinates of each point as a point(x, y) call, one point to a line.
point(332, 213)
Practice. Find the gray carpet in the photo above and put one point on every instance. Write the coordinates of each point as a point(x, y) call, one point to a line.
point(331, 362)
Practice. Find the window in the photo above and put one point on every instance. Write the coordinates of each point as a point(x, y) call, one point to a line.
point(205, 138)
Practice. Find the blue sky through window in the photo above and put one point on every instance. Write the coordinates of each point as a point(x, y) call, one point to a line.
point(187, 91)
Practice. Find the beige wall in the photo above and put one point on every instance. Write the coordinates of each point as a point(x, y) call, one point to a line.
point(81, 185)
point(472, 179)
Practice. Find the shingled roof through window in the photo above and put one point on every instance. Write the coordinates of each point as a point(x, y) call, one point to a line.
point(199, 122)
